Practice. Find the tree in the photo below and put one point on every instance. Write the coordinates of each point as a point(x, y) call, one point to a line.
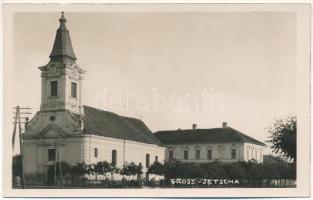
point(101, 168)
point(130, 170)
point(80, 169)
point(283, 137)
point(156, 168)
point(112, 169)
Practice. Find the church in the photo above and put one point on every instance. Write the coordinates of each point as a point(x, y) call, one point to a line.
point(66, 130)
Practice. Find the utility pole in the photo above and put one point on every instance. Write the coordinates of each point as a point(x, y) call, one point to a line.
point(17, 121)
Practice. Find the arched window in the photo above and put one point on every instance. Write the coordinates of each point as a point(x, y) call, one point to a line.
point(96, 152)
point(147, 160)
point(114, 157)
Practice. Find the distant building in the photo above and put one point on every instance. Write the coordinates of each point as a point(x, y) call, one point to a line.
point(208, 145)
point(65, 130)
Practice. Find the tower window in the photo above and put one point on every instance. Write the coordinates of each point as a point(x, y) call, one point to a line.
point(74, 90)
point(54, 88)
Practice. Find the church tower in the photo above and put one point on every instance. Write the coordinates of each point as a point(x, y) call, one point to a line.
point(62, 76)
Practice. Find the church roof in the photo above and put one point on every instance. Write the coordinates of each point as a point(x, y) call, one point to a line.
point(214, 135)
point(108, 124)
point(62, 48)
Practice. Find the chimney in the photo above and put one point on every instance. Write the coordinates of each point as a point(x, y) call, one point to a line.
point(194, 126)
point(224, 124)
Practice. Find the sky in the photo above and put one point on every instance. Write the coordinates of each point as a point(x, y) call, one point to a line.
point(169, 69)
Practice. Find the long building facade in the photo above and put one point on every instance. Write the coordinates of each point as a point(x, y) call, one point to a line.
point(210, 145)
point(66, 130)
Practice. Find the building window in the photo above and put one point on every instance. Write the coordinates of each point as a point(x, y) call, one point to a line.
point(186, 154)
point(74, 90)
point(114, 157)
point(209, 156)
point(233, 154)
point(170, 155)
point(96, 152)
point(156, 159)
point(197, 154)
point(256, 154)
point(51, 154)
point(54, 88)
point(147, 160)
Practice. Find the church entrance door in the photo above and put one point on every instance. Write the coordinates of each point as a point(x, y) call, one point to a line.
point(50, 176)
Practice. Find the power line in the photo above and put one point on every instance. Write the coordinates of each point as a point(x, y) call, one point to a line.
point(17, 122)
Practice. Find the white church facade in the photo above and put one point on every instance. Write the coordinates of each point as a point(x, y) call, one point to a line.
point(65, 130)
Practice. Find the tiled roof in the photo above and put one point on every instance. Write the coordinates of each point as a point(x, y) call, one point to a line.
point(108, 124)
point(214, 135)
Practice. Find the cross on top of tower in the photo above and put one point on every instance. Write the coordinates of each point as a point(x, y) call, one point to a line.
point(62, 21)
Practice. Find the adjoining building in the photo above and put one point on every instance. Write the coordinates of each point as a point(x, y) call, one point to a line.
point(208, 145)
point(64, 130)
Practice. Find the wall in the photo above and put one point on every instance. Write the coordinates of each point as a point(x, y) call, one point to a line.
point(179, 152)
point(241, 152)
point(64, 76)
point(253, 151)
point(128, 151)
point(36, 154)
point(76, 150)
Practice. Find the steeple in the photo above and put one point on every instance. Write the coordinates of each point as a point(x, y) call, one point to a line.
point(62, 49)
